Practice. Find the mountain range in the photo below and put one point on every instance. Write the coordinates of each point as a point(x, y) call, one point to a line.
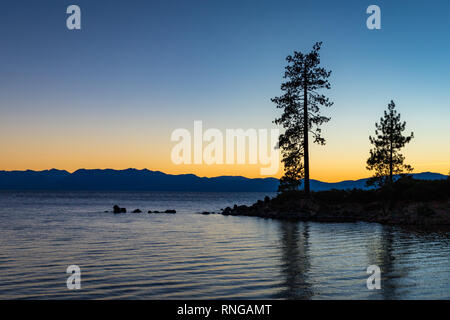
point(147, 180)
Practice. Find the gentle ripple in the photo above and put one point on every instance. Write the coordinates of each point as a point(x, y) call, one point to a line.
point(187, 255)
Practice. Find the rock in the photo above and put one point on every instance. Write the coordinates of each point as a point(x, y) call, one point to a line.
point(117, 209)
point(170, 211)
point(149, 211)
point(137, 211)
point(205, 212)
point(226, 211)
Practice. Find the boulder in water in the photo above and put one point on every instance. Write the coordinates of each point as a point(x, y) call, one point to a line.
point(117, 209)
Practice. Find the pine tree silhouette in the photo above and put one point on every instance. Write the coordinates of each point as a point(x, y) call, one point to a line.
point(301, 104)
point(385, 157)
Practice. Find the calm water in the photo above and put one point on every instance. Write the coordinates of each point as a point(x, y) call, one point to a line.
point(188, 255)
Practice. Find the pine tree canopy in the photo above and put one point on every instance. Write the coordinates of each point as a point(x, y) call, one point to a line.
point(301, 103)
point(385, 157)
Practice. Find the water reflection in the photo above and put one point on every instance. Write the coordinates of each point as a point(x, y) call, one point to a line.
point(389, 252)
point(295, 262)
point(188, 255)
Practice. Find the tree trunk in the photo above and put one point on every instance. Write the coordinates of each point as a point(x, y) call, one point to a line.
point(390, 165)
point(305, 133)
point(390, 152)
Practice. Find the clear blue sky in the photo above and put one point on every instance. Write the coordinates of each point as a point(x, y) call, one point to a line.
point(149, 67)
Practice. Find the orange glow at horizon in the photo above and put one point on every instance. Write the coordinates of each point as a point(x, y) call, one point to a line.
point(321, 169)
point(80, 145)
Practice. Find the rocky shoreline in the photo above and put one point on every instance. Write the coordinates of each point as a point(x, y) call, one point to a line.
point(429, 213)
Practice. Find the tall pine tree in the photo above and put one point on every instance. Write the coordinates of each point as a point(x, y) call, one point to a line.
point(301, 104)
point(385, 157)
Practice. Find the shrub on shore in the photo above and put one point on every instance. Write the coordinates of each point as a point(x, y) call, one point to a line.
point(404, 189)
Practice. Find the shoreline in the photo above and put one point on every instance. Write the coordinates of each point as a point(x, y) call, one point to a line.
point(429, 213)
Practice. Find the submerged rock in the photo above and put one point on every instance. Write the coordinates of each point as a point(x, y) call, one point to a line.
point(137, 211)
point(167, 211)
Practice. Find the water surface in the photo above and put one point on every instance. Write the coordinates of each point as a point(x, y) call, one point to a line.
point(187, 255)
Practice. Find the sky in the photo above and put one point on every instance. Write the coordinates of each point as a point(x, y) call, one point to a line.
point(110, 95)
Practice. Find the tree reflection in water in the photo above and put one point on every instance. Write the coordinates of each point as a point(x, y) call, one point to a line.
point(295, 262)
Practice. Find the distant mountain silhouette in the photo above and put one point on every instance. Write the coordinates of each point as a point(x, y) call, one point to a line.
point(146, 180)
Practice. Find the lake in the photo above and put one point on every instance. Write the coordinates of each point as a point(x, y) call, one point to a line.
point(194, 256)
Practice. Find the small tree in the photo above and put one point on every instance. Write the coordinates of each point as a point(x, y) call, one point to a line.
point(301, 114)
point(385, 157)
